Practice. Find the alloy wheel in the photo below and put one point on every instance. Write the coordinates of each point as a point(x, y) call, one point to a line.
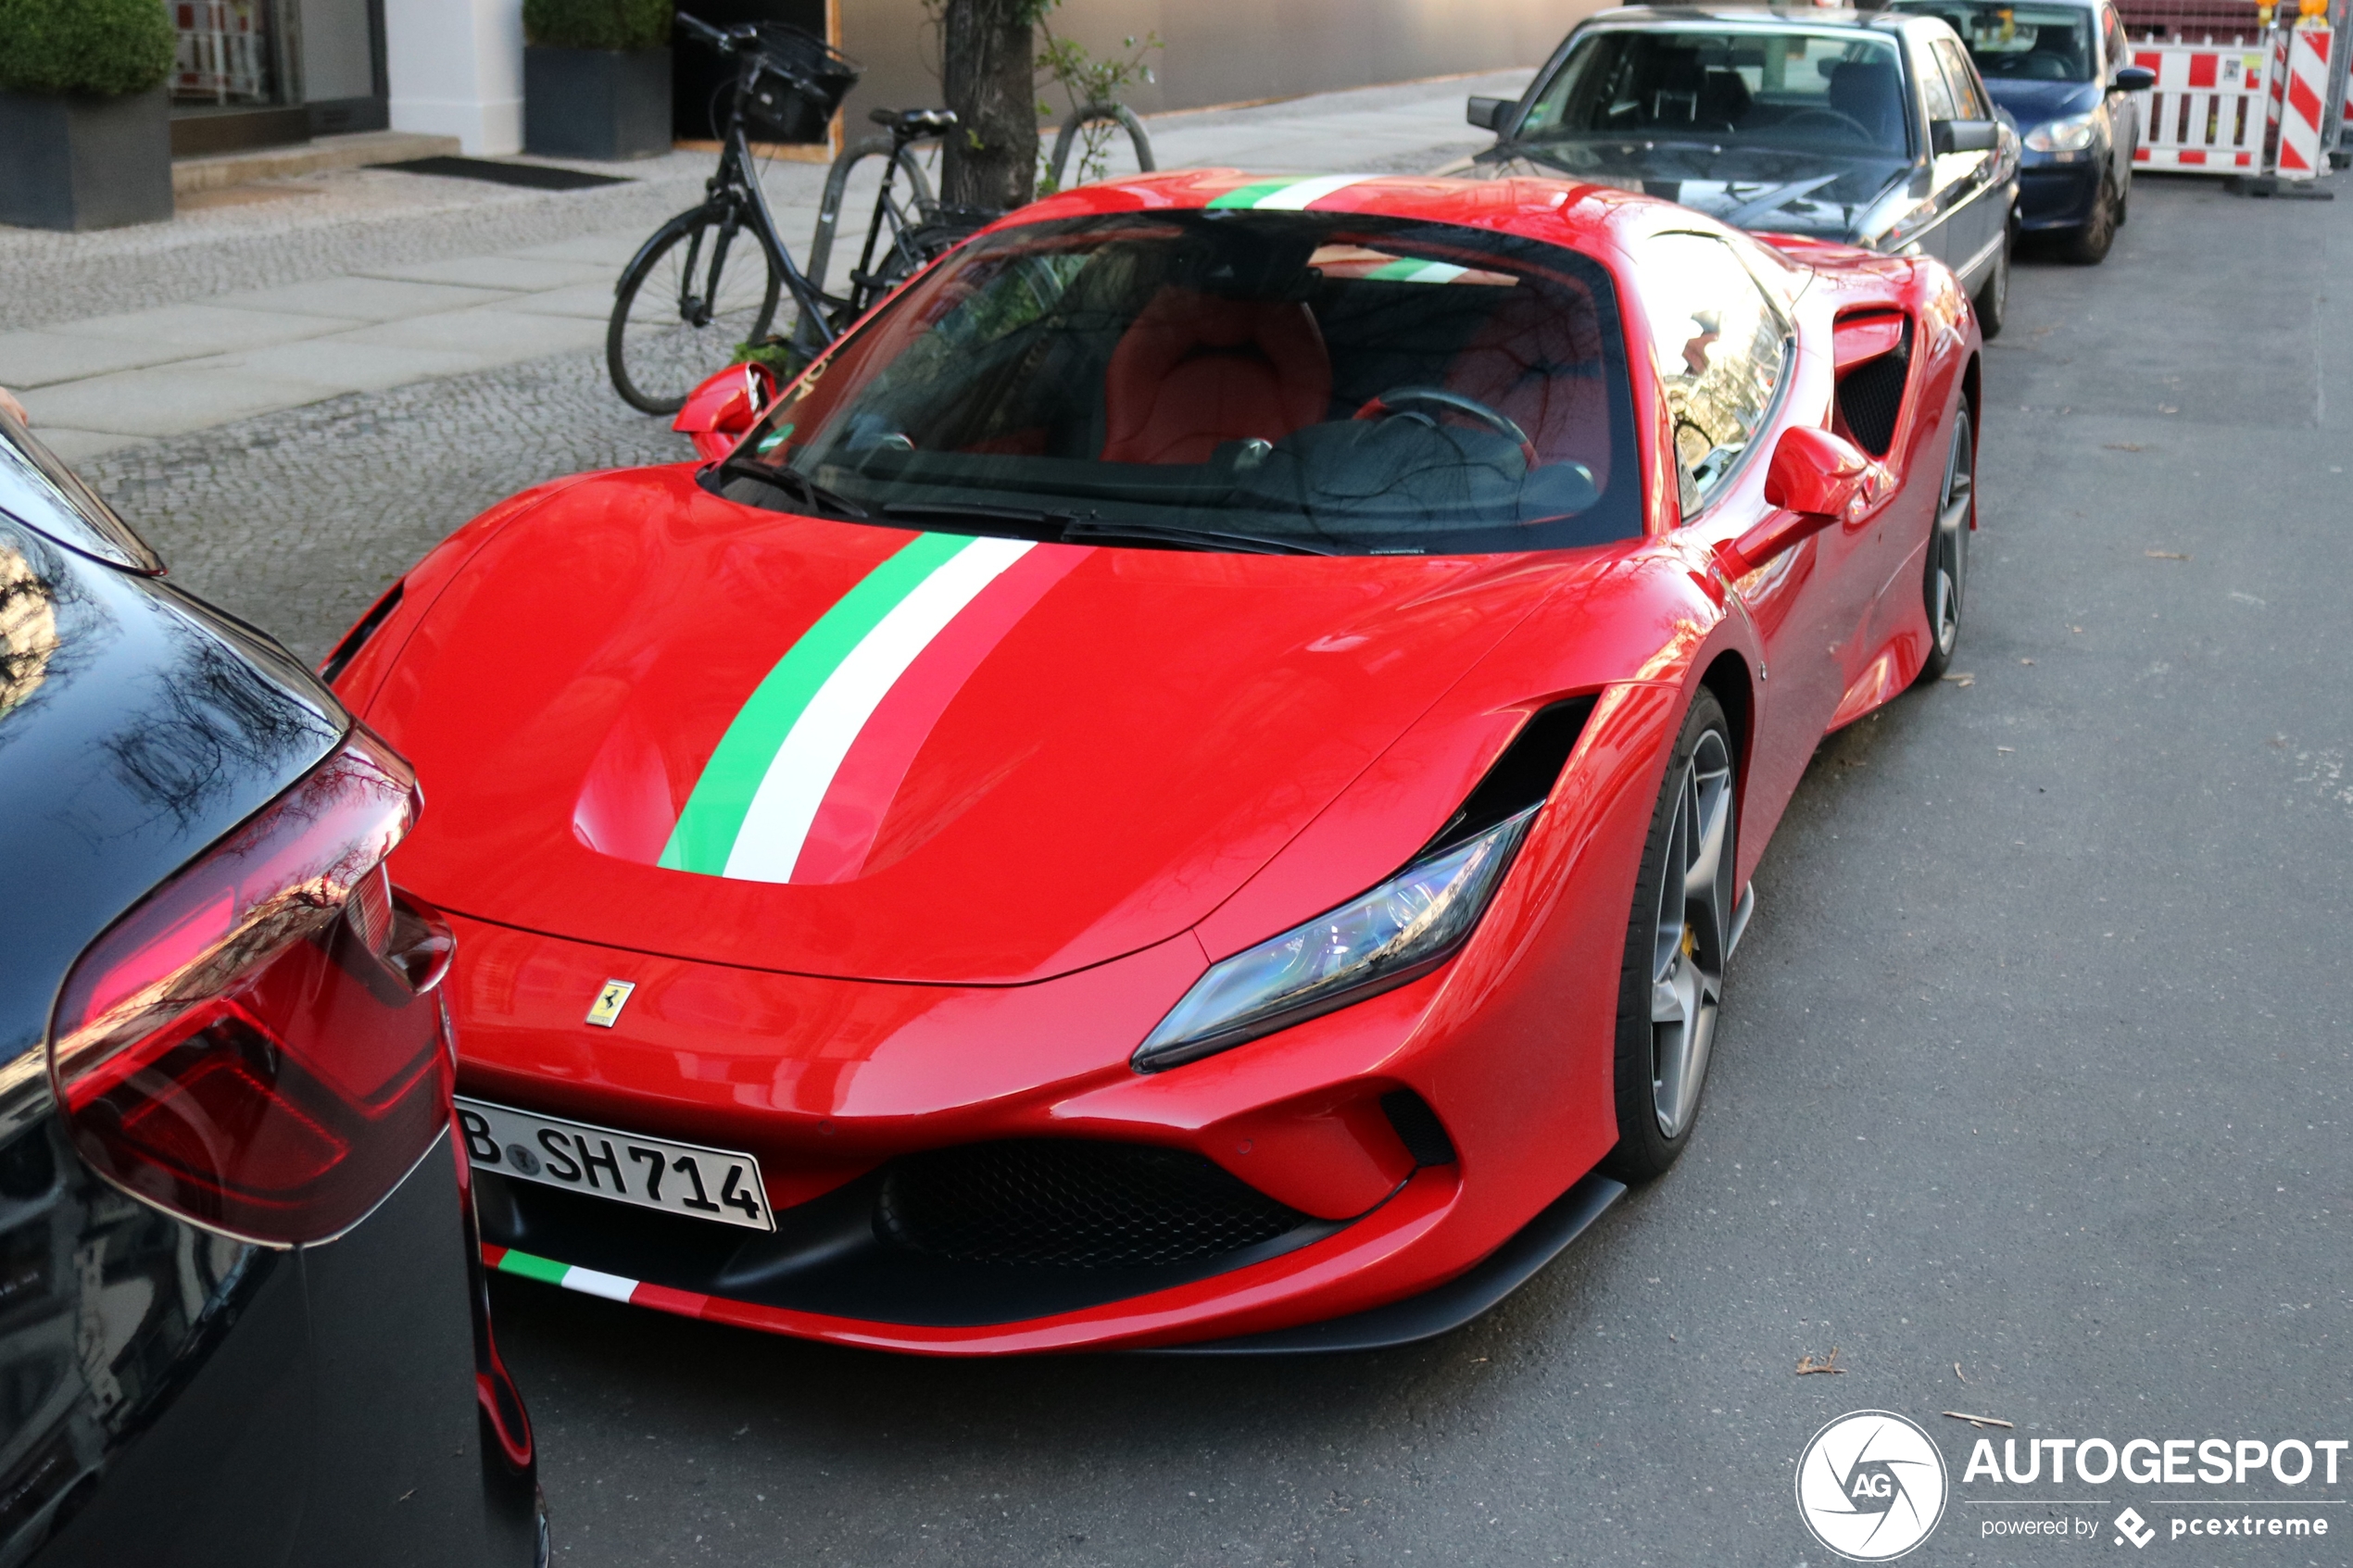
point(1948, 569)
point(1691, 934)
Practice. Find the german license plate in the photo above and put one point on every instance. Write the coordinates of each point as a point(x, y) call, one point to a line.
point(678, 1178)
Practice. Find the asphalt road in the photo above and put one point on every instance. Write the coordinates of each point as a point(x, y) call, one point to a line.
point(2033, 1063)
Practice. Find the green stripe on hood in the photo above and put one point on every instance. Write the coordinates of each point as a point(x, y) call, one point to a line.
point(714, 813)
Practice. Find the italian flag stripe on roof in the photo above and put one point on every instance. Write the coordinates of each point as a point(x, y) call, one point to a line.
point(1285, 195)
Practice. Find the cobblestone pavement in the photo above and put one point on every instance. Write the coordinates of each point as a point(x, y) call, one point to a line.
point(327, 224)
point(354, 220)
point(296, 520)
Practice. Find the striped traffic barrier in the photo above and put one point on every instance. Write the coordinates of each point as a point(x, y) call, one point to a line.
point(2209, 108)
point(2307, 89)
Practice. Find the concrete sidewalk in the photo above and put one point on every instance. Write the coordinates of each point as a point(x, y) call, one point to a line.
point(198, 357)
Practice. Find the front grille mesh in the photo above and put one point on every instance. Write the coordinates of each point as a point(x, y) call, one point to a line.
point(1065, 1203)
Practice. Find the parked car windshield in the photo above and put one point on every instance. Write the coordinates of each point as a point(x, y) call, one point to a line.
point(1832, 92)
point(2018, 42)
point(1335, 382)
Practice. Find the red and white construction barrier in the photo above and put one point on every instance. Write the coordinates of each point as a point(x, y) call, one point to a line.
point(2209, 108)
point(2307, 94)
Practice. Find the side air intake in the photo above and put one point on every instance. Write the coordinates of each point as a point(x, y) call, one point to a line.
point(1523, 775)
point(1870, 391)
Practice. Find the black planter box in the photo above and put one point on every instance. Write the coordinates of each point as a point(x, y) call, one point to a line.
point(595, 103)
point(78, 161)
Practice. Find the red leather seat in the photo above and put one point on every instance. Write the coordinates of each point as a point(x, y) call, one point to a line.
point(1194, 369)
point(1537, 361)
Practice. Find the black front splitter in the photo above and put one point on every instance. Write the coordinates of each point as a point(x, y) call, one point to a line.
point(1447, 1307)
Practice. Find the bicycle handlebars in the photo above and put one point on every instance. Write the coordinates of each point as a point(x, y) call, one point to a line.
point(730, 41)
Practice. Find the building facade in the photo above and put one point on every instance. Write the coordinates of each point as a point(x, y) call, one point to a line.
point(263, 72)
point(258, 70)
point(1235, 51)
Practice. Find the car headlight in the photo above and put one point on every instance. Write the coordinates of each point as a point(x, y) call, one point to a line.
point(2070, 135)
point(1401, 930)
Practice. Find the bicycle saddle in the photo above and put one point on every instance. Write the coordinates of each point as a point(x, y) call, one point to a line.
point(915, 122)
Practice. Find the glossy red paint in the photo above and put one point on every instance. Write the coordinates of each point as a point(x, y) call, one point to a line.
point(596, 692)
point(1867, 336)
point(1073, 838)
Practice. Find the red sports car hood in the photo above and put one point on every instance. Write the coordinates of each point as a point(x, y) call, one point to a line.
point(652, 718)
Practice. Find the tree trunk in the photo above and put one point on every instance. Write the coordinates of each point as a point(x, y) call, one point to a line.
point(987, 51)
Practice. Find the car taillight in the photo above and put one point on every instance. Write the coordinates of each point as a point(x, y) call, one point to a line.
point(257, 1045)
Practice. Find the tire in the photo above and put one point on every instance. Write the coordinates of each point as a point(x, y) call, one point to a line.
point(1670, 987)
point(2088, 245)
point(1993, 299)
point(1945, 580)
point(659, 348)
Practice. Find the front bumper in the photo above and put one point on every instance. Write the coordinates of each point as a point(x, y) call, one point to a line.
point(1399, 1141)
point(1405, 1137)
point(2053, 195)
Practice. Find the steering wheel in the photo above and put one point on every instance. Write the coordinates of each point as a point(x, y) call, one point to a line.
point(1862, 132)
point(1397, 399)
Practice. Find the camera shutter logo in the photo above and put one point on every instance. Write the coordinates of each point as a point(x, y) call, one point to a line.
point(1870, 1486)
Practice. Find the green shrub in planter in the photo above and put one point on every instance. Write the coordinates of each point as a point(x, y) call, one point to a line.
point(109, 48)
point(623, 25)
point(85, 126)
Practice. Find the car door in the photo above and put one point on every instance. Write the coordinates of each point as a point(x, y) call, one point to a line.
point(1723, 349)
point(2123, 111)
point(1948, 174)
point(1982, 206)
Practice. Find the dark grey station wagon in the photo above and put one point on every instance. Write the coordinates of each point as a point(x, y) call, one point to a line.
point(1871, 128)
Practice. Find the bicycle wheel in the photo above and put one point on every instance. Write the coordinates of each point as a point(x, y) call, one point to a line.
point(693, 297)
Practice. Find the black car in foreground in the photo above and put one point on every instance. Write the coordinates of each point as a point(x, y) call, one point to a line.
point(242, 1318)
point(1870, 128)
point(2063, 73)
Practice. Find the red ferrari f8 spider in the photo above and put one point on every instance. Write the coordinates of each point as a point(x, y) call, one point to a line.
point(1191, 783)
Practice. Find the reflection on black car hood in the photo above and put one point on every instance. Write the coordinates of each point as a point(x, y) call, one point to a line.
point(137, 726)
point(2032, 103)
point(1795, 192)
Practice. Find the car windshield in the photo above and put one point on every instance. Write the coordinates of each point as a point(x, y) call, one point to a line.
point(1830, 92)
point(1337, 383)
point(2019, 43)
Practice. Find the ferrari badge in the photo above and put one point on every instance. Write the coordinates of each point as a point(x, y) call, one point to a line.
point(605, 1012)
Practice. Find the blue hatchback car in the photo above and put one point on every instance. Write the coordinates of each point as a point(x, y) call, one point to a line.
point(2062, 70)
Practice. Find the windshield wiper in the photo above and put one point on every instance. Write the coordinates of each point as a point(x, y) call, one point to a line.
point(1083, 529)
point(1749, 211)
point(1075, 527)
point(1049, 524)
point(1641, 135)
point(810, 493)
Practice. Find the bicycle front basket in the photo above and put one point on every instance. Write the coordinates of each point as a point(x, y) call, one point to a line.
point(805, 82)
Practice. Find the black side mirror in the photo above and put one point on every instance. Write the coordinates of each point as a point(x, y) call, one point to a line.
point(1963, 135)
point(1489, 114)
point(2133, 79)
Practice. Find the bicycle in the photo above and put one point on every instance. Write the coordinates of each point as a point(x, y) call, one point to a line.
point(695, 293)
point(909, 236)
point(918, 237)
point(662, 345)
